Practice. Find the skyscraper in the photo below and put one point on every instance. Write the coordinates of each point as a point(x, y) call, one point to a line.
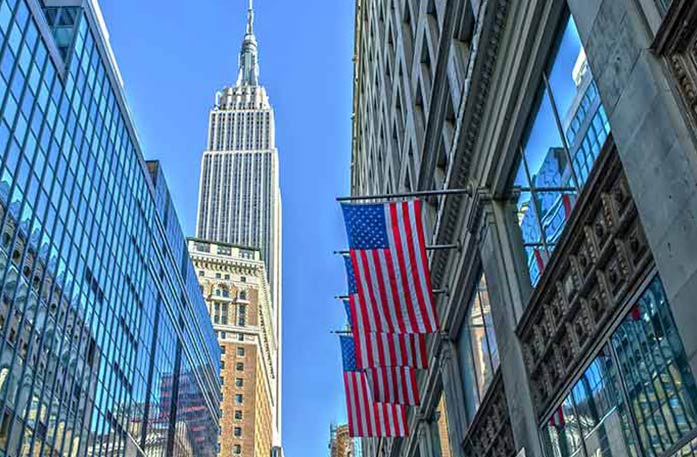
point(239, 195)
point(104, 345)
point(234, 285)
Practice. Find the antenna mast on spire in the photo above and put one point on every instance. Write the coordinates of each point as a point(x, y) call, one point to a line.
point(250, 18)
point(249, 66)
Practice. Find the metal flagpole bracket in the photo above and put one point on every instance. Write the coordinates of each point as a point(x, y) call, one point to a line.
point(415, 194)
point(445, 292)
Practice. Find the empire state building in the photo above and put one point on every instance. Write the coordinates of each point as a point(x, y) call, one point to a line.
point(239, 195)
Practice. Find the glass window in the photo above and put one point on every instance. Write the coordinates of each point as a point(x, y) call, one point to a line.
point(637, 397)
point(238, 431)
point(240, 352)
point(202, 247)
point(568, 129)
point(477, 349)
point(663, 5)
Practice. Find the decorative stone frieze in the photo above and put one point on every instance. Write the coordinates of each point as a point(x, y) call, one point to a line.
point(490, 434)
point(597, 265)
point(487, 40)
point(676, 40)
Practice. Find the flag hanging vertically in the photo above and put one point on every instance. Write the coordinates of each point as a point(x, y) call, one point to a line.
point(390, 350)
point(394, 385)
point(366, 417)
point(387, 349)
point(390, 267)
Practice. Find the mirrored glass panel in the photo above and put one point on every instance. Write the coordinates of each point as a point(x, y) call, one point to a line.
point(637, 397)
point(568, 129)
point(477, 348)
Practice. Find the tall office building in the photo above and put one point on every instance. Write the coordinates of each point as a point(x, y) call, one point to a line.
point(568, 327)
point(239, 195)
point(233, 282)
point(340, 443)
point(105, 346)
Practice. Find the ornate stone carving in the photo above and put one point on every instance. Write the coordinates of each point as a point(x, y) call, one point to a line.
point(490, 434)
point(487, 41)
point(676, 40)
point(598, 262)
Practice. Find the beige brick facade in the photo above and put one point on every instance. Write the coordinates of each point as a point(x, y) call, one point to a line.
point(233, 282)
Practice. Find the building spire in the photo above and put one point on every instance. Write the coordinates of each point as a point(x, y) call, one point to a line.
point(250, 18)
point(249, 65)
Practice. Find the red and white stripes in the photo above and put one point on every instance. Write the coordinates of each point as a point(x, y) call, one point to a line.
point(390, 350)
point(368, 418)
point(394, 385)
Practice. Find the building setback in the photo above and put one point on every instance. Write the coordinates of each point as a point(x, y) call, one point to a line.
point(234, 285)
point(105, 347)
point(568, 326)
point(239, 193)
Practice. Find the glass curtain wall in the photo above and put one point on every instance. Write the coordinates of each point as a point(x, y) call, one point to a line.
point(637, 397)
point(478, 352)
point(568, 128)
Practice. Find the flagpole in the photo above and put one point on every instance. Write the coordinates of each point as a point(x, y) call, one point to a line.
point(435, 292)
point(418, 193)
point(435, 247)
point(444, 192)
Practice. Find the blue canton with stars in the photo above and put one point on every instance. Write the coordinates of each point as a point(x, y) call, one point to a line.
point(347, 307)
point(366, 226)
point(348, 353)
point(350, 277)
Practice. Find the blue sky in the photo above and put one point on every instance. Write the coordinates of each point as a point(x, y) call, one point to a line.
point(174, 55)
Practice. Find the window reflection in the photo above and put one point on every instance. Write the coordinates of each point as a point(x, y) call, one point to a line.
point(637, 397)
point(566, 135)
point(478, 349)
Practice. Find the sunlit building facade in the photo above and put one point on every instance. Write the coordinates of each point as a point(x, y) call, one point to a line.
point(105, 345)
point(569, 127)
point(340, 443)
point(237, 294)
point(239, 194)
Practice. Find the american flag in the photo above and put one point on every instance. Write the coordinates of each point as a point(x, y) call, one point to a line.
point(394, 385)
point(390, 350)
point(366, 417)
point(389, 268)
point(387, 349)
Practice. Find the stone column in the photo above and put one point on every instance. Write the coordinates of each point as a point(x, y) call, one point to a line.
point(509, 288)
point(454, 400)
point(427, 446)
point(655, 141)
